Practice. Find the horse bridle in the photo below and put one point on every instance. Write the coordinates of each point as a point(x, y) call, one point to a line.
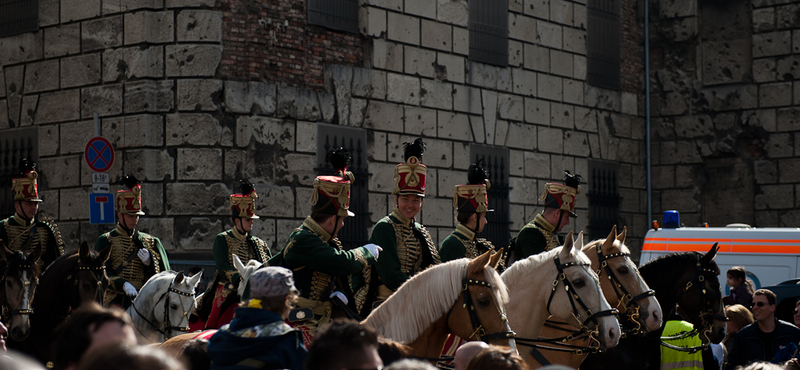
point(706, 313)
point(168, 327)
point(574, 297)
point(26, 283)
point(98, 279)
point(625, 298)
point(478, 331)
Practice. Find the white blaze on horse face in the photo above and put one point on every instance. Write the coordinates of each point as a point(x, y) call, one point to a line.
point(26, 296)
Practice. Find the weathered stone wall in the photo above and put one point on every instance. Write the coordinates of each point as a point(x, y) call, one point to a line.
point(726, 111)
point(189, 117)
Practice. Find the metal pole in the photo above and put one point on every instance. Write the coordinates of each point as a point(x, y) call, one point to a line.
point(96, 124)
point(647, 107)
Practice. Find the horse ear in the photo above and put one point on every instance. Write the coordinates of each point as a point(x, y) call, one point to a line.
point(178, 278)
point(105, 254)
point(621, 236)
point(194, 280)
point(579, 241)
point(708, 257)
point(609, 242)
point(568, 246)
point(83, 251)
point(495, 260)
point(477, 265)
point(237, 263)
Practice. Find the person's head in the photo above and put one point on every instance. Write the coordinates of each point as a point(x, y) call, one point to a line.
point(391, 351)
point(556, 217)
point(194, 355)
point(128, 221)
point(127, 356)
point(763, 365)
point(409, 204)
point(466, 352)
point(474, 221)
point(27, 209)
point(330, 223)
point(738, 317)
point(344, 344)
point(272, 288)
point(764, 305)
point(129, 202)
point(243, 224)
point(497, 358)
point(242, 206)
point(26, 190)
point(410, 364)
point(736, 276)
point(88, 327)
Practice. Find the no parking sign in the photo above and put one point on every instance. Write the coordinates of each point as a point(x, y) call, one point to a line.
point(99, 154)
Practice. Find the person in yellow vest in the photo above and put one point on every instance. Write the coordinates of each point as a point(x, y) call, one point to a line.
point(135, 256)
point(672, 359)
point(23, 231)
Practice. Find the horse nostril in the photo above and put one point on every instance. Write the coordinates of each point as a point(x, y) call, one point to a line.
point(611, 334)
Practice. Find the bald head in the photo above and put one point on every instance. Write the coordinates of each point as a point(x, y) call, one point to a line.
point(466, 352)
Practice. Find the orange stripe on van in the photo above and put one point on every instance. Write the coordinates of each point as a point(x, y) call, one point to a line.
point(777, 246)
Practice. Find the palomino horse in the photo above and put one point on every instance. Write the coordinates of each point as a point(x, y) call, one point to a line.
point(68, 282)
point(688, 279)
point(624, 289)
point(580, 302)
point(462, 297)
point(19, 276)
point(162, 307)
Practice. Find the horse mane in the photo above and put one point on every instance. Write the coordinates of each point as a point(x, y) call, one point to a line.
point(421, 300)
point(522, 268)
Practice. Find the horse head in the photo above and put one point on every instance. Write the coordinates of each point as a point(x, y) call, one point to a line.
point(245, 271)
point(162, 308)
point(622, 285)
point(700, 297)
point(89, 276)
point(20, 276)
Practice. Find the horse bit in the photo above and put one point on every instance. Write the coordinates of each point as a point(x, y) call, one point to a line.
point(475, 321)
point(625, 299)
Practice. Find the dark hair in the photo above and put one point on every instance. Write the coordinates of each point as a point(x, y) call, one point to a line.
point(766, 293)
point(320, 217)
point(194, 354)
point(128, 357)
point(74, 337)
point(391, 351)
point(738, 272)
point(340, 345)
point(463, 217)
point(496, 358)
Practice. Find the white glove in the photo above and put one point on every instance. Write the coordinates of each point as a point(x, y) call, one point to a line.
point(144, 255)
point(129, 289)
point(374, 249)
point(339, 295)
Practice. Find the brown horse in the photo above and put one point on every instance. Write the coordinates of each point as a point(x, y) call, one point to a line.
point(68, 282)
point(19, 276)
point(624, 289)
point(462, 297)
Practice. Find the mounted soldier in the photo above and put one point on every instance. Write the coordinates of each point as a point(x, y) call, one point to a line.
point(135, 256)
point(221, 298)
point(541, 234)
point(321, 265)
point(23, 231)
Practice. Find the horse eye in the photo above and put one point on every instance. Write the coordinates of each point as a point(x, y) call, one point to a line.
point(173, 306)
point(484, 301)
point(623, 270)
point(580, 283)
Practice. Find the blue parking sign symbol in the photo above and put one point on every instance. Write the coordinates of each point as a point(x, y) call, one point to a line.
point(101, 209)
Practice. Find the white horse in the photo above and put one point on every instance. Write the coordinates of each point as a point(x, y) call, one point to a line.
point(245, 271)
point(161, 309)
point(559, 282)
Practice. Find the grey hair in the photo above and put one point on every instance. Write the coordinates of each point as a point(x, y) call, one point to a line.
point(410, 364)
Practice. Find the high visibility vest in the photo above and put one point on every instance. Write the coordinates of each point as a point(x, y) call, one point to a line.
point(678, 360)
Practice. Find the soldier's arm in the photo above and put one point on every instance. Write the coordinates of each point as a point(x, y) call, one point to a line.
point(224, 267)
point(313, 253)
point(162, 254)
point(529, 242)
point(388, 264)
point(115, 280)
point(452, 249)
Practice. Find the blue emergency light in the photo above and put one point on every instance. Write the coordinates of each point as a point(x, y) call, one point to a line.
point(672, 219)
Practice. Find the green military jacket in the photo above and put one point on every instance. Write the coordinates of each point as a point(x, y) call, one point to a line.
point(535, 237)
point(18, 234)
point(316, 260)
point(404, 254)
point(463, 243)
point(247, 247)
point(124, 265)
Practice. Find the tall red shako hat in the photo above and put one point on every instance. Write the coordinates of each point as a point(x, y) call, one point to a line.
point(472, 197)
point(129, 199)
point(25, 187)
point(562, 196)
point(331, 194)
point(243, 203)
point(410, 177)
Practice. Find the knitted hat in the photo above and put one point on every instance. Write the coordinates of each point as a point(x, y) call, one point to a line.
point(271, 281)
point(25, 186)
point(243, 204)
point(409, 177)
point(331, 194)
point(129, 202)
point(472, 197)
point(562, 196)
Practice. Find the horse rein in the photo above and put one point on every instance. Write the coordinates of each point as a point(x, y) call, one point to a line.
point(168, 328)
point(26, 283)
point(98, 279)
point(706, 312)
point(625, 299)
point(479, 332)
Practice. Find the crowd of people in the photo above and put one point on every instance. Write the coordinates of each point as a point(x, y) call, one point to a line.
point(289, 315)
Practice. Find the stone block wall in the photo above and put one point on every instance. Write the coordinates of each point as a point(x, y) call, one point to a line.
point(196, 94)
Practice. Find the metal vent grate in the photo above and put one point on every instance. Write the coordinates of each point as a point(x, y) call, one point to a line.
point(495, 161)
point(340, 15)
point(488, 32)
point(18, 16)
point(603, 44)
point(15, 144)
point(354, 233)
point(604, 198)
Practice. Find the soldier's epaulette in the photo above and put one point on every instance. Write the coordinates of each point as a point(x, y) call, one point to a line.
point(56, 233)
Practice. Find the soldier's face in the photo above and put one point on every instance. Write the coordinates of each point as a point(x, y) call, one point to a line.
point(564, 220)
point(482, 221)
point(26, 208)
point(246, 224)
point(409, 205)
point(130, 220)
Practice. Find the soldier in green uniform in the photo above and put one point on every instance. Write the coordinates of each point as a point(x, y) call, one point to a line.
point(321, 266)
point(472, 204)
point(540, 234)
point(221, 298)
point(23, 231)
point(407, 245)
point(135, 256)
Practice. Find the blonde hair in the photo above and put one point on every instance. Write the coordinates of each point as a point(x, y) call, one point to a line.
point(739, 315)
